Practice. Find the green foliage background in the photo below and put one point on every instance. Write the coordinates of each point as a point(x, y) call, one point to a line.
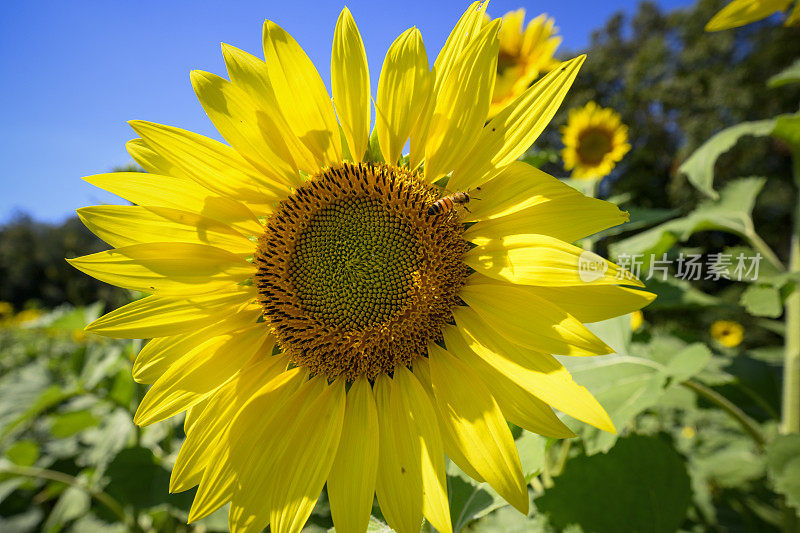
point(699, 446)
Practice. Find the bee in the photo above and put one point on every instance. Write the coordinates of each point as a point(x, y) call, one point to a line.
point(447, 203)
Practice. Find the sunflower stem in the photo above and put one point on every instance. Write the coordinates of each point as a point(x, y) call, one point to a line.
point(748, 424)
point(790, 422)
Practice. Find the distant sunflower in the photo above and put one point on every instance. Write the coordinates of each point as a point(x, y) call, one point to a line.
point(727, 332)
point(595, 140)
point(741, 12)
point(525, 54)
point(311, 317)
point(637, 320)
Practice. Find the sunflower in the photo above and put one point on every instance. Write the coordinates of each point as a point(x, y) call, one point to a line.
point(727, 332)
point(525, 54)
point(741, 12)
point(595, 140)
point(311, 318)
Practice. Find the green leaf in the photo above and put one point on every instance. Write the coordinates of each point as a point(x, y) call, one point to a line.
point(625, 385)
point(790, 74)
point(67, 424)
point(762, 300)
point(788, 129)
point(699, 167)
point(72, 504)
point(23, 453)
point(688, 362)
point(783, 467)
point(641, 484)
point(731, 213)
point(137, 478)
point(531, 448)
point(468, 499)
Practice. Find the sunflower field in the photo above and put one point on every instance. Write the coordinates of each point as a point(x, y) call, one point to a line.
point(511, 288)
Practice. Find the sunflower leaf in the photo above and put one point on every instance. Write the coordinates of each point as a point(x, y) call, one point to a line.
point(614, 485)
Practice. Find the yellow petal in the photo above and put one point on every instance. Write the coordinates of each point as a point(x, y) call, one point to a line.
point(220, 409)
point(466, 29)
point(301, 95)
point(351, 483)
point(449, 440)
point(178, 193)
point(249, 73)
point(516, 187)
point(286, 475)
point(566, 218)
point(166, 268)
point(123, 225)
point(399, 483)
point(596, 302)
point(300, 474)
point(238, 442)
point(415, 404)
point(350, 81)
point(538, 373)
point(160, 353)
point(517, 404)
point(159, 316)
point(462, 104)
point(527, 320)
point(210, 163)
point(403, 90)
point(529, 259)
point(741, 12)
point(238, 120)
point(201, 370)
point(513, 130)
point(478, 425)
point(149, 160)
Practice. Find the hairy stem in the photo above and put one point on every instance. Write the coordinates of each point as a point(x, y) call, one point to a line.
point(748, 424)
point(52, 475)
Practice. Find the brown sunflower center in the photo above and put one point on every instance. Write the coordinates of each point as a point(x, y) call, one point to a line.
point(355, 278)
point(593, 145)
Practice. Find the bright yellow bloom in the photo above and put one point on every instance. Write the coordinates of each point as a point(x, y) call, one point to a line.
point(728, 333)
point(595, 140)
point(525, 54)
point(741, 12)
point(313, 320)
point(637, 319)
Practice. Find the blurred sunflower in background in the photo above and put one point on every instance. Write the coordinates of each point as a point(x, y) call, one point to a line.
point(741, 12)
point(595, 140)
point(525, 54)
point(727, 332)
point(312, 318)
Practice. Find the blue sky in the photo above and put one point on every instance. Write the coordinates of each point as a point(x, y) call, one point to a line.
point(75, 71)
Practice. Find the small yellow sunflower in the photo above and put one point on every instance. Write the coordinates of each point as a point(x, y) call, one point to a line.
point(595, 140)
point(315, 322)
point(728, 333)
point(525, 54)
point(741, 12)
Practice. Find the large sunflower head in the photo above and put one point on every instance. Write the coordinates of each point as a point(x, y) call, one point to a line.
point(595, 140)
point(324, 311)
point(526, 52)
point(742, 12)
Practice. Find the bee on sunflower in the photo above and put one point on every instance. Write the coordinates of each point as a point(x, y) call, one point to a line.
point(317, 325)
point(595, 140)
point(526, 52)
point(741, 12)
